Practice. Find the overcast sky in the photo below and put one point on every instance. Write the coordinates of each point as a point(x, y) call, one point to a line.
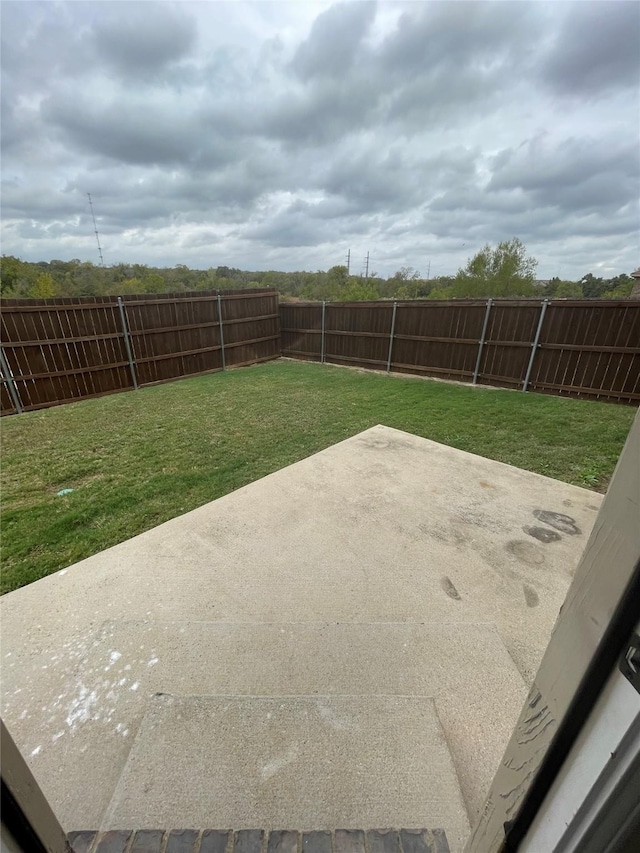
point(273, 135)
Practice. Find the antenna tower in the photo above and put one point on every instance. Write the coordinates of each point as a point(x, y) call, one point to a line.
point(95, 228)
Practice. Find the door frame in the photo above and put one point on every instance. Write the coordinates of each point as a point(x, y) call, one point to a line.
point(593, 628)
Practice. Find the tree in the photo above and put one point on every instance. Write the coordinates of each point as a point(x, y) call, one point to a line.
point(440, 293)
point(506, 270)
point(358, 291)
point(337, 281)
point(9, 274)
point(410, 279)
point(407, 274)
point(593, 287)
point(568, 290)
point(620, 291)
point(130, 286)
point(44, 287)
point(153, 283)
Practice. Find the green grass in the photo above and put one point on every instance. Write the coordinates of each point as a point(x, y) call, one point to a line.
point(139, 458)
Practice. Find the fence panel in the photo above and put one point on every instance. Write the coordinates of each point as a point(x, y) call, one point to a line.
point(357, 333)
point(440, 340)
point(301, 330)
point(173, 337)
point(509, 340)
point(585, 348)
point(60, 350)
point(590, 349)
point(250, 327)
point(63, 350)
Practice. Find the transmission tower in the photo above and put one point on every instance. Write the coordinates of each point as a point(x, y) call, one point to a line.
point(95, 228)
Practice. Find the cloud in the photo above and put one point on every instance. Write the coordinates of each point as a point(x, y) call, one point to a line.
point(332, 47)
point(258, 135)
point(590, 175)
point(595, 50)
point(143, 41)
point(453, 35)
point(133, 131)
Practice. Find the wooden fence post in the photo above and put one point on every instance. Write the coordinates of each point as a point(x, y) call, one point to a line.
point(393, 328)
point(10, 382)
point(324, 309)
point(127, 345)
point(224, 363)
point(483, 335)
point(534, 346)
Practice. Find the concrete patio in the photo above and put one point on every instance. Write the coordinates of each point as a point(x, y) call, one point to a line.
point(345, 643)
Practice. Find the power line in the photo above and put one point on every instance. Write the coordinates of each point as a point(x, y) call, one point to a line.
point(95, 228)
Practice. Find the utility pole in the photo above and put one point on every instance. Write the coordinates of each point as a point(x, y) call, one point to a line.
point(366, 273)
point(95, 228)
point(428, 270)
point(348, 261)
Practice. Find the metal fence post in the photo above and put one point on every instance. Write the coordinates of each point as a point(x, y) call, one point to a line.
point(127, 345)
point(324, 310)
point(12, 388)
point(534, 345)
point(483, 335)
point(224, 363)
point(393, 328)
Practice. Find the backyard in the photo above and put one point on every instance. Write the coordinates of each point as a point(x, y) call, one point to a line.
point(136, 459)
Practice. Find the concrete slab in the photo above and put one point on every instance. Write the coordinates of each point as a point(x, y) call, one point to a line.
point(311, 762)
point(368, 530)
point(382, 528)
point(102, 683)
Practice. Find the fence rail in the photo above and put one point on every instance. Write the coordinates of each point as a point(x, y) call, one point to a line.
point(59, 350)
point(587, 349)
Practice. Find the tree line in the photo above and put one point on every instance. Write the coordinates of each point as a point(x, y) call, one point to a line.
point(504, 270)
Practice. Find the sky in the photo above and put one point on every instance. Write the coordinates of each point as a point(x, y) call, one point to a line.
point(281, 135)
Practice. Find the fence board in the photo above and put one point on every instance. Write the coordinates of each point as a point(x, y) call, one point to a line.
point(65, 349)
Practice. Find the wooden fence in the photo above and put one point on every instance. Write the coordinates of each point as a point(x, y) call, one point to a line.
point(585, 348)
point(60, 350)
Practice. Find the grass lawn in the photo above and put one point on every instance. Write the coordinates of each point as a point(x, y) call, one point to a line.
point(140, 458)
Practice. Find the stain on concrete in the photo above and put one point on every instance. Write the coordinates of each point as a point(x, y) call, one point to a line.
point(449, 588)
point(448, 534)
point(384, 442)
point(486, 485)
point(527, 552)
point(472, 517)
point(567, 502)
point(542, 534)
point(593, 508)
point(530, 595)
point(563, 523)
